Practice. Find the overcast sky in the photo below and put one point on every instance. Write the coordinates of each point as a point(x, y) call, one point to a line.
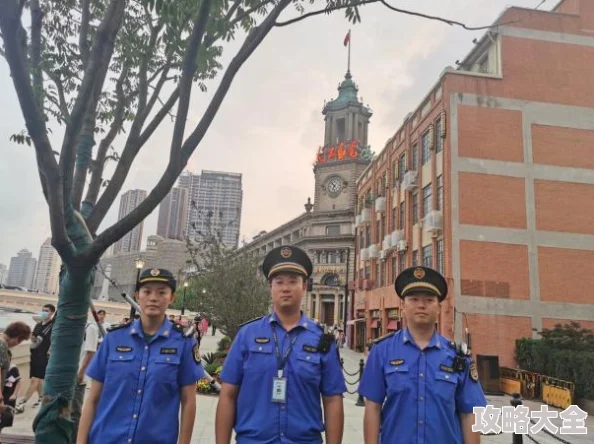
point(270, 124)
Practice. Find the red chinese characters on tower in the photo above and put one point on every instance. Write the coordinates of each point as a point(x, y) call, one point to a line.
point(336, 153)
point(353, 149)
point(320, 156)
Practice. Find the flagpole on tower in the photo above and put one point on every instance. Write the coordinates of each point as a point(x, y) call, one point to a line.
point(347, 41)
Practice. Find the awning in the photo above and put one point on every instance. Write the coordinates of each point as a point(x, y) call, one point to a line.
point(374, 323)
point(392, 325)
point(353, 321)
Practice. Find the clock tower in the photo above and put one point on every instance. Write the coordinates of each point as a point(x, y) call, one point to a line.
point(345, 153)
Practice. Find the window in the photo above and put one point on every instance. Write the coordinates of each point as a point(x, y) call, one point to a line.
point(415, 207)
point(483, 64)
point(331, 280)
point(415, 157)
point(361, 239)
point(333, 230)
point(440, 193)
point(381, 273)
point(378, 231)
point(425, 147)
point(394, 267)
point(367, 236)
point(394, 218)
point(438, 138)
point(368, 271)
point(402, 215)
point(395, 173)
point(401, 262)
point(383, 228)
point(428, 256)
point(332, 257)
point(340, 130)
point(426, 200)
point(415, 258)
point(401, 166)
point(440, 256)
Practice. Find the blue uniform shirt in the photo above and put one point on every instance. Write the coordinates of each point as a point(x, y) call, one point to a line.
point(252, 365)
point(140, 400)
point(423, 394)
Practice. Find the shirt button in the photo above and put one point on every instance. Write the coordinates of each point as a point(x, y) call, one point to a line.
point(139, 392)
point(168, 359)
point(130, 440)
point(421, 375)
point(144, 368)
point(121, 357)
point(447, 376)
point(420, 399)
point(282, 407)
point(134, 416)
point(307, 358)
point(421, 421)
point(282, 434)
point(146, 347)
point(259, 348)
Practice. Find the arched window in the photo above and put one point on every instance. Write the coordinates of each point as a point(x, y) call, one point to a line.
point(331, 280)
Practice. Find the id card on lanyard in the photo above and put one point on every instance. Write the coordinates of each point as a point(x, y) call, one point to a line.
point(279, 383)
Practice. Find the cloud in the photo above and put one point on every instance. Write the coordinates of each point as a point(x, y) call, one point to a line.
point(270, 124)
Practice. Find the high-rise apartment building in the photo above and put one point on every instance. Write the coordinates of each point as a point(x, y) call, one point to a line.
point(131, 241)
point(48, 269)
point(215, 200)
point(3, 274)
point(173, 214)
point(22, 269)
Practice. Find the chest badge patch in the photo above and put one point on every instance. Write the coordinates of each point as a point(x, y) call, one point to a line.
point(396, 362)
point(310, 348)
point(196, 353)
point(262, 340)
point(446, 368)
point(473, 372)
point(123, 349)
point(169, 351)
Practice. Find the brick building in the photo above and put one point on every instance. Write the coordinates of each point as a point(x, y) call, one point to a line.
point(491, 181)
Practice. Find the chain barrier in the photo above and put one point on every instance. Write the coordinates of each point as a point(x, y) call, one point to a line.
point(358, 374)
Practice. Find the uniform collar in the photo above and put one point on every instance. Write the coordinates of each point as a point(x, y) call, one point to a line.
point(434, 342)
point(164, 330)
point(304, 322)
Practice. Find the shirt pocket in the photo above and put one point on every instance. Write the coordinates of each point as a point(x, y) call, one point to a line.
point(166, 367)
point(260, 358)
point(309, 366)
point(445, 385)
point(397, 378)
point(120, 364)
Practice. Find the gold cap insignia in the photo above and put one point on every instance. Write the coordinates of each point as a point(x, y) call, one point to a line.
point(473, 372)
point(419, 273)
point(286, 252)
point(155, 272)
point(196, 353)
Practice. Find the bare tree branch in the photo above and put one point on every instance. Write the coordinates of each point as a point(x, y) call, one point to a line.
point(185, 84)
point(116, 126)
point(37, 75)
point(143, 69)
point(155, 95)
point(102, 48)
point(15, 47)
point(133, 145)
point(62, 105)
point(174, 168)
point(83, 38)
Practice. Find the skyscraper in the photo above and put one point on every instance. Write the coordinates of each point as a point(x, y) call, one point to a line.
point(173, 214)
point(22, 269)
point(48, 269)
point(3, 274)
point(131, 241)
point(215, 200)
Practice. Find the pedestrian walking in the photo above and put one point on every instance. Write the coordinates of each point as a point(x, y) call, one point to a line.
point(40, 348)
point(14, 334)
point(214, 328)
point(91, 341)
point(141, 375)
point(418, 386)
point(280, 367)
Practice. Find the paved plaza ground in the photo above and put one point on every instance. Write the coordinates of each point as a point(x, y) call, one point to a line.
point(353, 428)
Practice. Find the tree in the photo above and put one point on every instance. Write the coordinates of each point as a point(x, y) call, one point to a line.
point(100, 69)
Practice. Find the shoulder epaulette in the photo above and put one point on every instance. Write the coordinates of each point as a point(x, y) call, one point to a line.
point(118, 326)
point(178, 328)
point(250, 321)
point(378, 340)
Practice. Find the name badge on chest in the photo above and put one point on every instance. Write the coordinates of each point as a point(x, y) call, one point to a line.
point(279, 388)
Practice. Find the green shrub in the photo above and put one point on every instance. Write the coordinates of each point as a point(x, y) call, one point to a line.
point(211, 368)
point(224, 343)
point(209, 358)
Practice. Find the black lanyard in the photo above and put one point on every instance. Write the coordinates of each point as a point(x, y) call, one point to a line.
point(281, 361)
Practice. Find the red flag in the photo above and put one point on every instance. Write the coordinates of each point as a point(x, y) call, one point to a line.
point(347, 39)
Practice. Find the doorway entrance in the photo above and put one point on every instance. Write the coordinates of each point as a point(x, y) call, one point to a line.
point(328, 313)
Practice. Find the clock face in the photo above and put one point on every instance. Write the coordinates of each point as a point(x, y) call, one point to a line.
point(334, 186)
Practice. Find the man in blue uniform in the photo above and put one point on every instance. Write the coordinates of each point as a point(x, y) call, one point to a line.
point(278, 367)
point(142, 373)
point(419, 389)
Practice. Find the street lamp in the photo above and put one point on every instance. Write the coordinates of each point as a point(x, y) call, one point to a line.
point(139, 263)
point(184, 298)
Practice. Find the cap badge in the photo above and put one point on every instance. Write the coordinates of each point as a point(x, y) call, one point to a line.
point(155, 272)
point(419, 273)
point(286, 252)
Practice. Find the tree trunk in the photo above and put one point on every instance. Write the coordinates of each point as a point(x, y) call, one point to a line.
point(52, 424)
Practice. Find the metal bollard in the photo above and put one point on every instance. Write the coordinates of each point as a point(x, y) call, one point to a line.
point(516, 401)
point(360, 400)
